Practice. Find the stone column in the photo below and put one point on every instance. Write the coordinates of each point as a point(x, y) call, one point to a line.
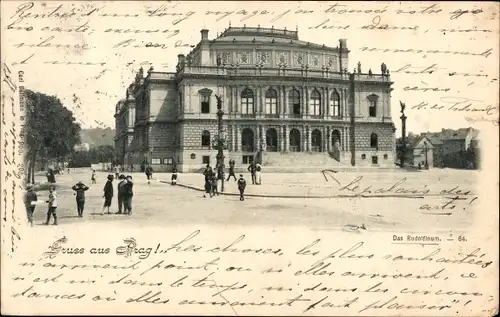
point(282, 138)
point(308, 141)
point(262, 100)
point(303, 139)
point(233, 138)
point(257, 137)
point(328, 139)
point(236, 138)
point(348, 143)
point(285, 102)
point(236, 100)
point(324, 101)
point(280, 104)
point(286, 129)
point(307, 102)
point(327, 103)
point(303, 101)
point(344, 99)
point(324, 140)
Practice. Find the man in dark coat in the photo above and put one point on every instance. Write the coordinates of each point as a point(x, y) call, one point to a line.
point(252, 168)
point(121, 193)
point(149, 172)
point(80, 190)
point(30, 199)
point(108, 194)
point(128, 194)
point(242, 184)
point(208, 180)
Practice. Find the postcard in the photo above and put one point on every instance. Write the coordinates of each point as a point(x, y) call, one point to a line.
point(249, 158)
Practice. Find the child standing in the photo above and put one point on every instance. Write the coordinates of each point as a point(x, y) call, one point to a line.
point(93, 177)
point(129, 193)
point(108, 194)
point(242, 184)
point(52, 205)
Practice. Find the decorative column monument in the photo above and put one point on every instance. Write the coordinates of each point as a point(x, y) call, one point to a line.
point(403, 131)
point(220, 142)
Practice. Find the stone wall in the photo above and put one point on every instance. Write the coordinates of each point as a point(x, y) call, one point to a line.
point(385, 152)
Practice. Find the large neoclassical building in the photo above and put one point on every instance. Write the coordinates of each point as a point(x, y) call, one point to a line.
point(287, 102)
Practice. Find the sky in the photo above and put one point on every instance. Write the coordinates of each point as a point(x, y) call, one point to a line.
point(40, 37)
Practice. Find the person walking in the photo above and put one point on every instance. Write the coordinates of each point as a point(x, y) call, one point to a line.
point(52, 205)
point(231, 170)
point(121, 193)
point(149, 173)
point(252, 170)
point(214, 189)
point(242, 184)
point(258, 174)
point(174, 176)
point(80, 190)
point(208, 181)
point(129, 193)
point(108, 194)
point(30, 199)
point(93, 177)
point(117, 171)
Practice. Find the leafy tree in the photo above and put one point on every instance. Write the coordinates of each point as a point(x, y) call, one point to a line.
point(52, 131)
point(102, 154)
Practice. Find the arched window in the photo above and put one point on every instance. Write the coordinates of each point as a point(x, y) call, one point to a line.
point(271, 140)
point(205, 138)
point(372, 109)
point(247, 101)
point(247, 140)
point(315, 103)
point(374, 140)
point(316, 141)
point(294, 101)
point(294, 140)
point(335, 104)
point(271, 101)
point(335, 138)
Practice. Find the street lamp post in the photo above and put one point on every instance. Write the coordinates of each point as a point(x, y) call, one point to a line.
point(426, 149)
point(403, 132)
point(220, 142)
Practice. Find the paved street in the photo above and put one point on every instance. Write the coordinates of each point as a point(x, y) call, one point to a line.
point(176, 205)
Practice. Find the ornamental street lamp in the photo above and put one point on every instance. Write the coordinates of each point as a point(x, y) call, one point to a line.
point(403, 131)
point(220, 142)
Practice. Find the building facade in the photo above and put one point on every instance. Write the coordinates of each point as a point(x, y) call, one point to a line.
point(285, 101)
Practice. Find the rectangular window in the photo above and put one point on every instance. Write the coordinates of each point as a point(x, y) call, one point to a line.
point(334, 108)
point(296, 108)
point(374, 159)
point(315, 107)
point(205, 159)
point(247, 159)
point(168, 161)
point(155, 161)
point(373, 108)
point(205, 104)
point(271, 106)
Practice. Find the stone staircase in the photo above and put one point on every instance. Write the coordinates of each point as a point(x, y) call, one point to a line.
point(278, 162)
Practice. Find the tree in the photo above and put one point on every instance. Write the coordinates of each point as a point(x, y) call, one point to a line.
point(52, 131)
point(102, 154)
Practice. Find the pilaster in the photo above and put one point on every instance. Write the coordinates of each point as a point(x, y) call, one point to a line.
point(282, 138)
point(286, 129)
point(236, 138)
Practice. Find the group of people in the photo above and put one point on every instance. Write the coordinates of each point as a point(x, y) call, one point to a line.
point(124, 189)
point(212, 177)
point(31, 199)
